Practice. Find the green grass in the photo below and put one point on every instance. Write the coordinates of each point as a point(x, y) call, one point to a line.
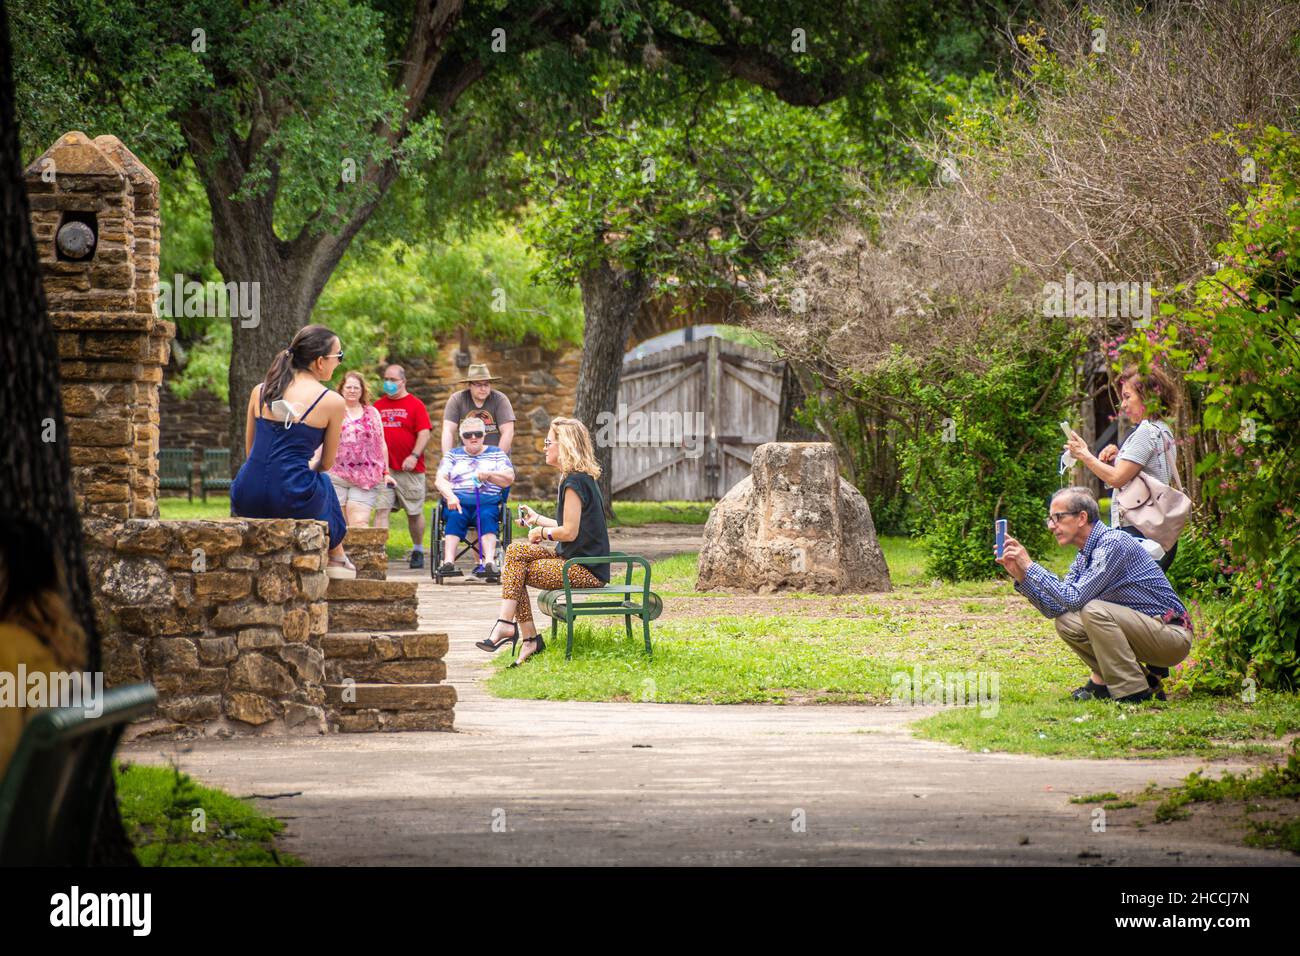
point(158, 807)
point(1278, 783)
point(627, 514)
point(858, 649)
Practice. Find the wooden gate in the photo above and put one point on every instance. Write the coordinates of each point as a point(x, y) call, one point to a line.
point(689, 419)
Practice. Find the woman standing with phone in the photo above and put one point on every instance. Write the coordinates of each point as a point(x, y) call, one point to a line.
point(1149, 449)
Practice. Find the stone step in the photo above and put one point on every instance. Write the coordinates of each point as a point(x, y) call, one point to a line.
point(370, 708)
point(360, 589)
point(385, 645)
point(373, 616)
point(386, 672)
point(361, 605)
point(368, 696)
point(366, 547)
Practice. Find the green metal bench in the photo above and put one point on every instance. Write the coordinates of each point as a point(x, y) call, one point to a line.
point(613, 600)
point(176, 469)
point(51, 795)
point(215, 471)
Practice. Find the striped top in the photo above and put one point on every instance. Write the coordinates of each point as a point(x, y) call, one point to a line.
point(1111, 566)
point(1151, 445)
point(461, 469)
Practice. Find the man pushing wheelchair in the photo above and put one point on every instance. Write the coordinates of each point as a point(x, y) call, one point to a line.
point(472, 481)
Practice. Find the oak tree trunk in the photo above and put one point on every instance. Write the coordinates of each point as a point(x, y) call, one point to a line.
point(35, 474)
point(611, 300)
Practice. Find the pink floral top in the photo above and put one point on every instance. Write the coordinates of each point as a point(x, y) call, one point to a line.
point(362, 457)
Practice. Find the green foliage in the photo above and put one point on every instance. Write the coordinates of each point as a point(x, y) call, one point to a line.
point(1240, 346)
point(319, 65)
point(397, 299)
point(1197, 570)
point(700, 186)
point(408, 295)
point(974, 446)
point(207, 364)
point(998, 465)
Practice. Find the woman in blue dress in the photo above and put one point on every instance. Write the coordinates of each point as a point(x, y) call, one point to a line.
point(290, 441)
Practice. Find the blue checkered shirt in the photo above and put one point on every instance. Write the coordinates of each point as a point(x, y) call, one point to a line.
point(1112, 567)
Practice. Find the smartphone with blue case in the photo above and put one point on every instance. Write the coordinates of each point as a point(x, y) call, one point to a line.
point(999, 535)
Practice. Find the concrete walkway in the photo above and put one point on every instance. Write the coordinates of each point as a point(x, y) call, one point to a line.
point(577, 783)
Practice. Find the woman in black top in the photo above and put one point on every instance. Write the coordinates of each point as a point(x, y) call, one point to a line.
point(581, 534)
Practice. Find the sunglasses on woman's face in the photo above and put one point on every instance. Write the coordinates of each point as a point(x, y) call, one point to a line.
point(338, 355)
point(471, 434)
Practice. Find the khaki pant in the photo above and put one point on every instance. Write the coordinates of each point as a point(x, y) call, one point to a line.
point(1112, 640)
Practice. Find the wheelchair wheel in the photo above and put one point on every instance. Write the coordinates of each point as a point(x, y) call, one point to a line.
point(435, 544)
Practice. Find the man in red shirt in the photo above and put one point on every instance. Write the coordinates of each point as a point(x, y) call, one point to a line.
point(406, 431)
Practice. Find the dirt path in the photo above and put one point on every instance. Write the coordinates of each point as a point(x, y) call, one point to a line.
point(581, 783)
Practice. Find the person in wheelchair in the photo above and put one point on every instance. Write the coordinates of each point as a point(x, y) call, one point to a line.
point(470, 480)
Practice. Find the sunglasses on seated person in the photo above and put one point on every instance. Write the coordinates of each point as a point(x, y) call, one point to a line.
point(471, 434)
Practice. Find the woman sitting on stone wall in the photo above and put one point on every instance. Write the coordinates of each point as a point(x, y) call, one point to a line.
point(38, 628)
point(581, 534)
point(291, 440)
point(362, 462)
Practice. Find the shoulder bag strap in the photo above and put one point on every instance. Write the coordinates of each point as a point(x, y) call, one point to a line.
point(1165, 440)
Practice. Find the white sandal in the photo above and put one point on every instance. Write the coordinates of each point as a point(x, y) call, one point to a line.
point(344, 569)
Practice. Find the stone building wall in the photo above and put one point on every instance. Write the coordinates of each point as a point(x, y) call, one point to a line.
point(198, 422)
point(95, 221)
point(224, 618)
point(540, 384)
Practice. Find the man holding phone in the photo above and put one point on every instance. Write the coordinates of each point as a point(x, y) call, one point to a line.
point(1115, 608)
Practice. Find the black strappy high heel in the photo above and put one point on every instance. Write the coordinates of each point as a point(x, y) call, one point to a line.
point(541, 646)
point(491, 646)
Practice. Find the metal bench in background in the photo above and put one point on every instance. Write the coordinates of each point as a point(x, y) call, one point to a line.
point(215, 471)
point(176, 470)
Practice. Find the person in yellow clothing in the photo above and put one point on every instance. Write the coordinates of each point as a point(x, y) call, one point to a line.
point(38, 629)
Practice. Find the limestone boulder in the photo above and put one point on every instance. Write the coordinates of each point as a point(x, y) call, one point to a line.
point(794, 524)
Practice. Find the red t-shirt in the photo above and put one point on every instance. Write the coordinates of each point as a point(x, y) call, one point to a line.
point(404, 418)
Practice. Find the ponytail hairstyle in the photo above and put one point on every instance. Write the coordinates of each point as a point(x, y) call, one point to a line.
point(311, 342)
point(34, 592)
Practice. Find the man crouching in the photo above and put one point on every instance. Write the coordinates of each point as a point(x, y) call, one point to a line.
point(1115, 608)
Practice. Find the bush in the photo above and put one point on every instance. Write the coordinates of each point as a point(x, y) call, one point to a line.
point(986, 449)
point(1240, 345)
point(1198, 567)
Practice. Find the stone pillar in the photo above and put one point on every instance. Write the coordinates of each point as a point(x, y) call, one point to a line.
point(95, 220)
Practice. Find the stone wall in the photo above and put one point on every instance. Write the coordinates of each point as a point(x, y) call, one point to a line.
point(196, 423)
point(223, 617)
point(95, 220)
point(540, 384)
